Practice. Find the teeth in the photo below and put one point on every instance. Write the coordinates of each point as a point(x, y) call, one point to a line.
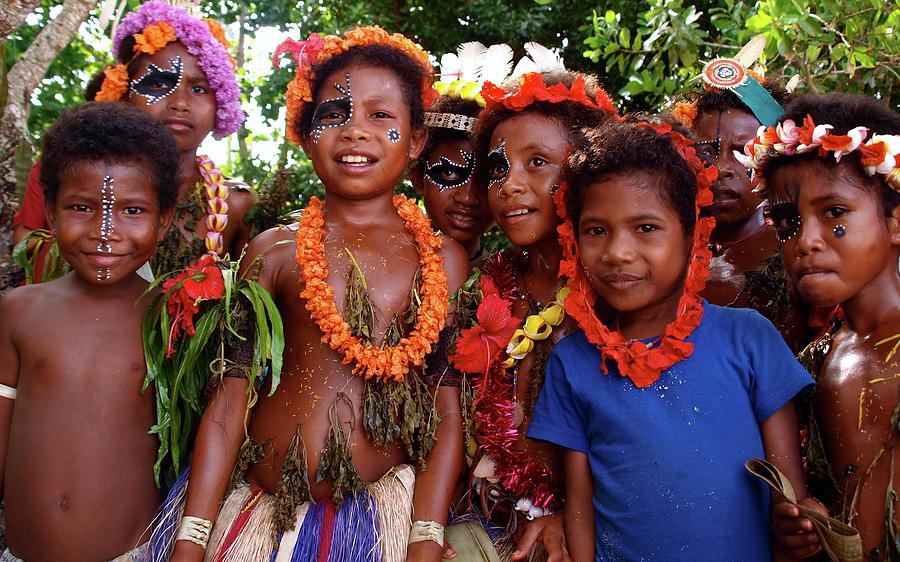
point(517, 213)
point(354, 159)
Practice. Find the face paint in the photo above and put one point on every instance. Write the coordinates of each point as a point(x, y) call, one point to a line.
point(839, 231)
point(393, 135)
point(335, 112)
point(787, 220)
point(156, 83)
point(553, 189)
point(497, 165)
point(446, 174)
point(107, 200)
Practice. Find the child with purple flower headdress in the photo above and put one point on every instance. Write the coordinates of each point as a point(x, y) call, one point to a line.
point(177, 68)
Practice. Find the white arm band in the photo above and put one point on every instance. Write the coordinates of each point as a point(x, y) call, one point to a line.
point(7, 392)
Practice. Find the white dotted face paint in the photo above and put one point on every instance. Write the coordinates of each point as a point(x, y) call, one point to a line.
point(446, 174)
point(497, 165)
point(156, 83)
point(333, 112)
point(107, 201)
point(393, 135)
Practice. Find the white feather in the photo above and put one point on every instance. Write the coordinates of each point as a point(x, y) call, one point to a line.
point(497, 63)
point(450, 68)
point(471, 56)
point(544, 58)
point(750, 52)
point(524, 66)
point(792, 84)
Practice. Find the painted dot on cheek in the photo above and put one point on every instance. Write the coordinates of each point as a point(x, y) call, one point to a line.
point(393, 135)
point(839, 231)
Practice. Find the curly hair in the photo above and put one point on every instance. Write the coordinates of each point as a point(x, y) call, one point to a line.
point(410, 75)
point(573, 116)
point(628, 148)
point(714, 100)
point(437, 135)
point(110, 132)
point(843, 112)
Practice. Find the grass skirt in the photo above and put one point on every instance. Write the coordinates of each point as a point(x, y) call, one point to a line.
point(372, 526)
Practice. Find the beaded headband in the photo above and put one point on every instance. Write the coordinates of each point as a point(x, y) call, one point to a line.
point(315, 50)
point(156, 24)
point(880, 154)
point(450, 121)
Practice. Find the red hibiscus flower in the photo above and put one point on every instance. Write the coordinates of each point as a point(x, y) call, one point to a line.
point(478, 346)
point(199, 281)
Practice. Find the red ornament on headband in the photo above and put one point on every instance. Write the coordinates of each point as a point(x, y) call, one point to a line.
point(533, 89)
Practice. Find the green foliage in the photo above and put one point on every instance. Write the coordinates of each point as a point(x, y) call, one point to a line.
point(844, 45)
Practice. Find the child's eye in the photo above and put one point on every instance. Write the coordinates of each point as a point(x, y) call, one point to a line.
point(81, 208)
point(594, 231)
point(199, 89)
point(133, 210)
point(835, 212)
point(537, 162)
point(647, 228)
point(381, 115)
point(497, 167)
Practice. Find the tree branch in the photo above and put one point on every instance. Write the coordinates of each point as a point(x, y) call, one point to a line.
point(13, 13)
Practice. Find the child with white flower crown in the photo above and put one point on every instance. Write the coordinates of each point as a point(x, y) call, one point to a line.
point(830, 173)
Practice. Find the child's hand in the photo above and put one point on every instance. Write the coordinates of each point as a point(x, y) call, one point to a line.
point(549, 531)
point(796, 533)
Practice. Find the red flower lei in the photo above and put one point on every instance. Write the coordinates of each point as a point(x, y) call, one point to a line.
point(532, 89)
point(636, 360)
point(200, 280)
point(496, 429)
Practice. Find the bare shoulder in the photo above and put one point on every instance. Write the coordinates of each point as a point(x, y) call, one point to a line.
point(16, 303)
point(456, 262)
point(270, 252)
point(241, 197)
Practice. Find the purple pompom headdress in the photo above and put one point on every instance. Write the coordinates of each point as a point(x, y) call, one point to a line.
point(204, 39)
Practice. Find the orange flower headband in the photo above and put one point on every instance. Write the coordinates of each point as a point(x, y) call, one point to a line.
point(316, 49)
point(640, 362)
point(533, 89)
point(879, 154)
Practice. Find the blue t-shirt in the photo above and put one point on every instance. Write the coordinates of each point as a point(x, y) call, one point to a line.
point(667, 461)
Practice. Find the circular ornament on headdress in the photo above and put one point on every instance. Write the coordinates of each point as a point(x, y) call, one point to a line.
point(724, 73)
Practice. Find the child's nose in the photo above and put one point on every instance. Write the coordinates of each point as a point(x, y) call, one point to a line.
point(354, 131)
point(513, 184)
point(619, 250)
point(178, 99)
point(466, 194)
point(809, 237)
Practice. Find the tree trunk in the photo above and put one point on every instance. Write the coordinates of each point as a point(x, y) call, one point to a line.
point(12, 14)
point(23, 78)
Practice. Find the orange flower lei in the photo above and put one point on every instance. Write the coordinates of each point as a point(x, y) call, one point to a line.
point(383, 363)
point(317, 49)
point(636, 360)
point(153, 38)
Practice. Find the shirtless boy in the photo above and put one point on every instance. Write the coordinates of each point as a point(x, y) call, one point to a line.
point(77, 460)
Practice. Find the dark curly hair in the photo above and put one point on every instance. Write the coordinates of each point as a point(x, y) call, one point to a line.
point(110, 132)
point(627, 148)
point(844, 112)
point(573, 116)
point(715, 100)
point(410, 74)
point(437, 135)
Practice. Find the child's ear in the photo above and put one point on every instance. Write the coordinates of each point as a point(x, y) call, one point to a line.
point(165, 220)
point(48, 214)
point(417, 143)
point(894, 226)
point(305, 144)
point(417, 178)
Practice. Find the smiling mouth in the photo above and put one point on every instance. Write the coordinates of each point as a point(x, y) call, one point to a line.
point(464, 219)
point(621, 280)
point(355, 159)
point(518, 213)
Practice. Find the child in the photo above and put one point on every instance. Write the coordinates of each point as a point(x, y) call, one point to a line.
point(833, 187)
point(658, 412)
point(176, 67)
point(523, 136)
point(746, 270)
point(323, 473)
point(77, 460)
point(445, 171)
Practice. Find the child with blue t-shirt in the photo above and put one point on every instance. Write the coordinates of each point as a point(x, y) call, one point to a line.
point(659, 407)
